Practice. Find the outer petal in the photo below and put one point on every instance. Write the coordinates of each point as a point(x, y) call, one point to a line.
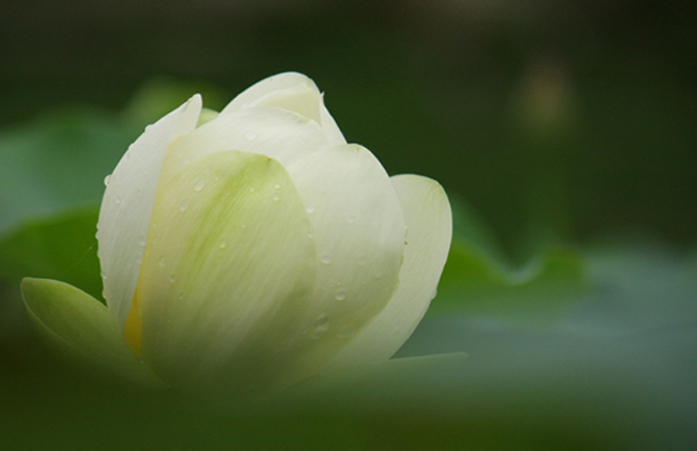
point(127, 205)
point(429, 221)
point(76, 323)
point(359, 235)
point(279, 134)
point(226, 275)
point(294, 92)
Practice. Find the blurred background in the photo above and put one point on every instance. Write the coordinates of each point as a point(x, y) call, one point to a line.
point(569, 119)
point(552, 125)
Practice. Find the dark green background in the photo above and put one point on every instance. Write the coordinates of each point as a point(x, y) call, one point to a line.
point(444, 88)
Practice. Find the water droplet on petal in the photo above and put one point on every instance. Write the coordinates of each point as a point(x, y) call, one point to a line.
point(321, 326)
point(340, 294)
point(162, 262)
point(107, 179)
point(199, 185)
point(117, 200)
point(350, 219)
point(347, 331)
point(223, 244)
point(378, 275)
point(276, 196)
point(142, 240)
point(310, 209)
point(172, 278)
point(361, 260)
point(326, 259)
point(183, 205)
point(250, 136)
point(322, 322)
point(277, 186)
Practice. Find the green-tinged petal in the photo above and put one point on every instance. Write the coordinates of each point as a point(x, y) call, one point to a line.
point(127, 206)
point(294, 92)
point(279, 134)
point(226, 275)
point(429, 231)
point(359, 234)
point(206, 116)
point(77, 324)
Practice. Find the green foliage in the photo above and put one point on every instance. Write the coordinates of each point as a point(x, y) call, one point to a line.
point(62, 247)
point(477, 280)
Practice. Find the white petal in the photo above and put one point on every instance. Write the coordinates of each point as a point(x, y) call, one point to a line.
point(279, 134)
point(331, 130)
point(226, 275)
point(359, 236)
point(290, 90)
point(75, 323)
point(294, 92)
point(429, 221)
point(124, 217)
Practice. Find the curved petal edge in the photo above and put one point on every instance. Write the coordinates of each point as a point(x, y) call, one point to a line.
point(74, 323)
point(428, 219)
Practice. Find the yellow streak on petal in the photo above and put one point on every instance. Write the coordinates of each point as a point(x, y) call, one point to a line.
point(133, 331)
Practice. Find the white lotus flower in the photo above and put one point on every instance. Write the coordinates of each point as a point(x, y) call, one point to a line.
point(252, 251)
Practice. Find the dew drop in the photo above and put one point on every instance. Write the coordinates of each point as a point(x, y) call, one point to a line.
point(117, 200)
point(242, 226)
point(172, 278)
point(223, 244)
point(321, 326)
point(310, 209)
point(326, 259)
point(183, 205)
point(350, 219)
point(276, 197)
point(277, 186)
point(162, 262)
point(199, 185)
point(107, 179)
point(378, 275)
point(361, 260)
point(347, 331)
point(250, 136)
point(340, 294)
point(322, 322)
point(142, 240)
